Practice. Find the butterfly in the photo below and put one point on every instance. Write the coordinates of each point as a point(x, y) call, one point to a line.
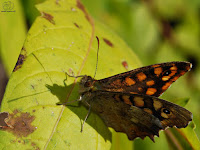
point(129, 103)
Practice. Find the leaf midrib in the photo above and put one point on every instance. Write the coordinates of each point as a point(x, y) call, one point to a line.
point(82, 65)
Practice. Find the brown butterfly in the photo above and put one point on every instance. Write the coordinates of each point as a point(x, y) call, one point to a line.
point(128, 102)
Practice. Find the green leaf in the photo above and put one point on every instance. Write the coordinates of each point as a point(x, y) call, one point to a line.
point(181, 101)
point(12, 34)
point(61, 40)
point(191, 137)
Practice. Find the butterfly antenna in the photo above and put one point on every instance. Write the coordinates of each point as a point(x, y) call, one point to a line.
point(97, 56)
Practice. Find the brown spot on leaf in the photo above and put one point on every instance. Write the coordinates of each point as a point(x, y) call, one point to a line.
point(33, 87)
point(20, 60)
point(3, 117)
point(49, 17)
point(108, 42)
point(81, 7)
point(77, 25)
point(125, 64)
point(57, 2)
point(35, 146)
point(20, 124)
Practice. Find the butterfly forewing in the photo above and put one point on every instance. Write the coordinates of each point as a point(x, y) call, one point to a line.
point(150, 80)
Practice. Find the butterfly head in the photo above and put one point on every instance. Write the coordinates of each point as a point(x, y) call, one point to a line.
point(86, 84)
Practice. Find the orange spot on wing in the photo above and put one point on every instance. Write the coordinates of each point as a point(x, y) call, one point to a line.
point(172, 73)
point(138, 101)
point(158, 71)
point(129, 81)
point(164, 115)
point(116, 82)
point(151, 91)
point(133, 93)
point(173, 68)
point(182, 72)
point(140, 89)
point(175, 78)
point(156, 104)
point(115, 90)
point(155, 66)
point(150, 83)
point(141, 76)
point(166, 86)
point(126, 99)
point(148, 110)
point(165, 78)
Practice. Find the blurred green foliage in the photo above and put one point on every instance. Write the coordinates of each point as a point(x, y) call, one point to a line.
point(158, 31)
point(12, 33)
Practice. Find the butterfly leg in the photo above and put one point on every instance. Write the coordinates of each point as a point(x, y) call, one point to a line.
point(65, 103)
point(74, 75)
point(86, 117)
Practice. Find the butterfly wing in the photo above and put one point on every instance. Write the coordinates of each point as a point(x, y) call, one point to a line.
point(136, 115)
point(150, 80)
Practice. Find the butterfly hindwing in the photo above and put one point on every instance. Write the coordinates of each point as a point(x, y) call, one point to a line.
point(168, 113)
point(137, 115)
point(150, 80)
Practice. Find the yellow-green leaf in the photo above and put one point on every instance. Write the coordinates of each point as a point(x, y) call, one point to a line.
point(61, 40)
point(12, 33)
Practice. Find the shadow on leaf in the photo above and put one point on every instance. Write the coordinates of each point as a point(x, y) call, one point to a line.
point(81, 111)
